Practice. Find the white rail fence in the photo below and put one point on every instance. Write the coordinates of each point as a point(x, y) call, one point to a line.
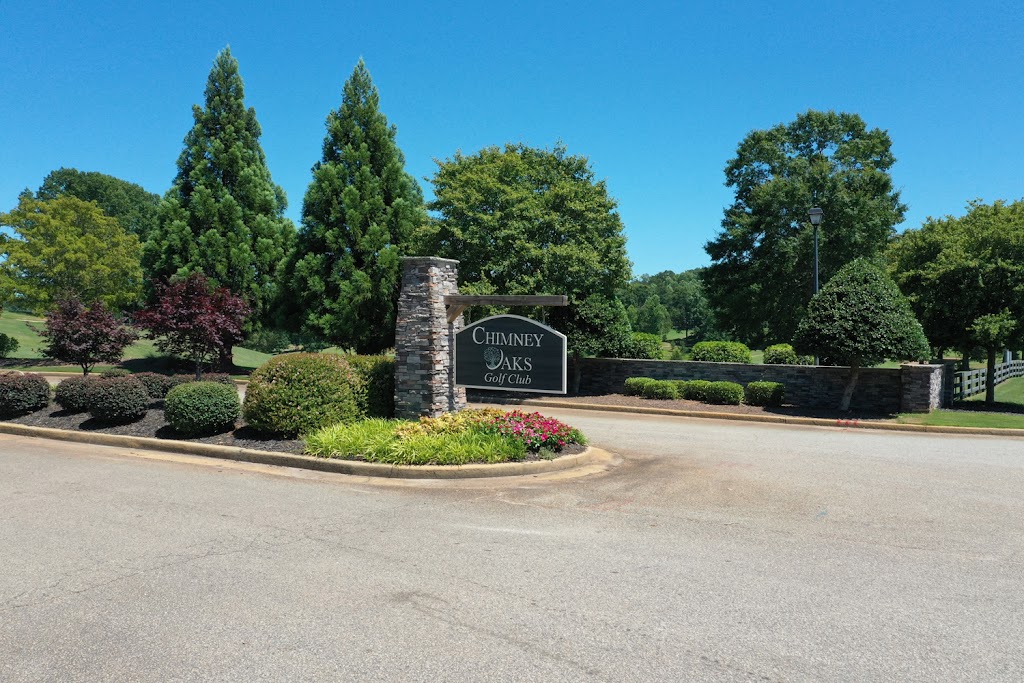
point(972, 382)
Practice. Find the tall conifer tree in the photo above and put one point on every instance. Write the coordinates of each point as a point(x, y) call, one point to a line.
point(223, 215)
point(357, 218)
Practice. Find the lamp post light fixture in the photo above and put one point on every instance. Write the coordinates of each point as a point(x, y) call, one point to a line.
point(815, 214)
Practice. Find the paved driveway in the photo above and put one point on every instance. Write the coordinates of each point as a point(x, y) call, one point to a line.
point(717, 551)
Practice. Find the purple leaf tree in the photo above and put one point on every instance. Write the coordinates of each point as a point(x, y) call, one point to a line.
point(85, 336)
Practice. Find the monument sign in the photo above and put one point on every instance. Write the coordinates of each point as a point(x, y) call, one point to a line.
point(510, 352)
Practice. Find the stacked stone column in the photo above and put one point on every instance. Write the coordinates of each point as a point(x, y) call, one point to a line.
point(425, 341)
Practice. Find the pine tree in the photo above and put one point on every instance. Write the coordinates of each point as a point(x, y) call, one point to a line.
point(223, 215)
point(358, 215)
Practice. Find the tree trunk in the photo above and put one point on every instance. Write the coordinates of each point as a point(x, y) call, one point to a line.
point(226, 362)
point(990, 378)
point(199, 371)
point(851, 384)
point(965, 364)
point(577, 374)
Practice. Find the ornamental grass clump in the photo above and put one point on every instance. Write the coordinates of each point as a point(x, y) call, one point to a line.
point(22, 393)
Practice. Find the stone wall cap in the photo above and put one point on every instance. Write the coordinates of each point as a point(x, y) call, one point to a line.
point(428, 259)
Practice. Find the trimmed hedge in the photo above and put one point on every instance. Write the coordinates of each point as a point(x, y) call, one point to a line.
point(202, 408)
point(720, 352)
point(72, 394)
point(634, 386)
point(114, 372)
point(765, 394)
point(694, 390)
point(642, 345)
point(298, 393)
point(377, 399)
point(157, 385)
point(645, 387)
point(22, 393)
point(724, 393)
point(118, 400)
point(218, 377)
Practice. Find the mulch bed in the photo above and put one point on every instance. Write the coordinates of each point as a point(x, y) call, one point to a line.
point(154, 426)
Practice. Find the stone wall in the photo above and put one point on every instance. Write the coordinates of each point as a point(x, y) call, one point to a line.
point(424, 340)
point(909, 388)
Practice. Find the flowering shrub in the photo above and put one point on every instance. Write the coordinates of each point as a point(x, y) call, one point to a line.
point(534, 430)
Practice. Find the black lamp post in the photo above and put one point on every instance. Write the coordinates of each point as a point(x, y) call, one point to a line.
point(816, 213)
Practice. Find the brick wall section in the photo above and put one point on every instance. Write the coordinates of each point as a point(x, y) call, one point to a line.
point(424, 341)
point(909, 388)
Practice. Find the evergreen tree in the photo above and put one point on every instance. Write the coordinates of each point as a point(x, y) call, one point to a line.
point(358, 215)
point(223, 216)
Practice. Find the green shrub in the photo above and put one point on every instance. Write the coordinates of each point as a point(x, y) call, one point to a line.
point(724, 393)
point(8, 345)
point(22, 393)
point(72, 394)
point(157, 385)
point(117, 400)
point(202, 408)
point(642, 345)
point(114, 372)
point(720, 352)
point(694, 389)
point(634, 386)
point(268, 341)
point(784, 354)
point(218, 377)
point(377, 399)
point(301, 392)
point(765, 393)
point(661, 389)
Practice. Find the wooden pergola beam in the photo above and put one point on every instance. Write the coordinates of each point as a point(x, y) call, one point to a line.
point(457, 303)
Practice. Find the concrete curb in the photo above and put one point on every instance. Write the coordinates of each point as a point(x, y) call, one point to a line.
point(780, 419)
point(591, 456)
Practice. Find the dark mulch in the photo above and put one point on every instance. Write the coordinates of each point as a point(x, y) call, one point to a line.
point(154, 426)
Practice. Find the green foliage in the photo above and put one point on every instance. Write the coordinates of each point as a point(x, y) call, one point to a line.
point(268, 340)
point(66, 245)
point(694, 389)
point(859, 318)
point(133, 207)
point(994, 331)
point(8, 345)
point(784, 354)
point(643, 346)
point(72, 394)
point(223, 215)
point(682, 297)
point(202, 408)
point(117, 400)
point(22, 393)
point(771, 394)
point(957, 270)
point(523, 220)
point(298, 393)
point(720, 352)
point(377, 379)
point(645, 387)
point(651, 317)
point(115, 372)
point(158, 385)
point(357, 218)
point(724, 393)
point(760, 278)
point(634, 386)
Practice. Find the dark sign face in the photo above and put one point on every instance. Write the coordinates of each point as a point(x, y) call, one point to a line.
point(510, 352)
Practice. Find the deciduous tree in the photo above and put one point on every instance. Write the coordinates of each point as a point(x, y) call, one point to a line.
point(66, 245)
point(358, 215)
point(130, 204)
point(523, 220)
point(859, 319)
point(223, 215)
point(760, 278)
point(85, 336)
point(194, 319)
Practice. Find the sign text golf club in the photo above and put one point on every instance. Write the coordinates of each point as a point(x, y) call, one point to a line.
point(510, 352)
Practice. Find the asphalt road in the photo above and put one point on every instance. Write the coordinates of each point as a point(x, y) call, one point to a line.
point(717, 551)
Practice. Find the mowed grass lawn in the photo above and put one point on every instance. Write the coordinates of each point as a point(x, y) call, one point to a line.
point(1005, 414)
point(144, 351)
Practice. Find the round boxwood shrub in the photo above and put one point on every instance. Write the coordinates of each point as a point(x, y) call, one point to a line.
point(660, 389)
point(377, 399)
point(157, 385)
point(784, 354)
point(634, 386)
point(297, 393)
point(765, 393)
point(22, 393)
point(115, 372)
point(725, 393)
point(720, 352)
point(202, 408)
point(72, 394)
point(118, 400)
point(694, 389)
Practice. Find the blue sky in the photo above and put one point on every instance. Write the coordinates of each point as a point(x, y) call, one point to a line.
point(656, 94)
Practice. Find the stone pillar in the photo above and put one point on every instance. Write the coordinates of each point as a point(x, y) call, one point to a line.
point(920, 388)
point(424, 341)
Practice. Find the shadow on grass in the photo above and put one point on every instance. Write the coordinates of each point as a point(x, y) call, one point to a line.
point(982, 407)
